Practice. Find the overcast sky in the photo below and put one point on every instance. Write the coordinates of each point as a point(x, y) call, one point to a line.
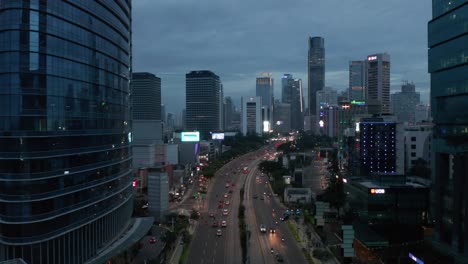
point(239, 39)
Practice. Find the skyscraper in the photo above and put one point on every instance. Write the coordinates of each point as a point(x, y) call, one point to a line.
point(404, 103)
point(146, 92)
point(378, 83)
point(203, 90)
point(316, 70)
point(448, 49)
point(228, 112)
point(357, 80)
point(251, 116)
point(286, 82)
point(292, 95)
point(65, 172)
point(264, 89)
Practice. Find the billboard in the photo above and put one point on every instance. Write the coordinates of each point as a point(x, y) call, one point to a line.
point(190, 136)
point(217, 136)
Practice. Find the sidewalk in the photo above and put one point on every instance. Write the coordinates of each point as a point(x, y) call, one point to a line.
point(314, 242)
point(179, 247)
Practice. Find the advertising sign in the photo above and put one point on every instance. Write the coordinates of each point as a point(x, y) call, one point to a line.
point(217, 136)
point(190, 136)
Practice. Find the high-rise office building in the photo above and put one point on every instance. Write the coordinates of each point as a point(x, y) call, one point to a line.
point(292, 94)
point(251, 116)
point(203, 90)
point(316, 70)
point(448, 49)
point(404, 103)
point(286, 82)
point(378, 83)
point(228, 112)
point(381, 146)
point(357, 80)
point(282, 118)
point(264, 89)
point(421, 113)
point(65, 175)
point(146, 93)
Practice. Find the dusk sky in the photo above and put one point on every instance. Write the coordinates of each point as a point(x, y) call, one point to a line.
point(239, 39)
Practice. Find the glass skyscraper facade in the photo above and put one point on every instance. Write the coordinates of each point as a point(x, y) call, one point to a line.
point(448, 66)
point(316, 70)
point(65, 128)
point(203, 100)
point(146, 96)
point(357, 80)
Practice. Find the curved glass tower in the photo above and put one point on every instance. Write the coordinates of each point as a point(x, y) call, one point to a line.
point(65, 186)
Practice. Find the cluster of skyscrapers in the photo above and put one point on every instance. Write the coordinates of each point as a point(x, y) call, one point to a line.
point(75, 123)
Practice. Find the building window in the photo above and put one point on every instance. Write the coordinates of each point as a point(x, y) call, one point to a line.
point(413, 139)
point(413, 146)
point(413, 154)
point(413, 162)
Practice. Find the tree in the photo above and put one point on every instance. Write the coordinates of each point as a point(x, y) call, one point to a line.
point(269, 166)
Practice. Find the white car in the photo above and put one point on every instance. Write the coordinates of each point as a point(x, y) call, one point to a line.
point(263, 228)
point(224, 223)
point(225, 211)
point(219, 232)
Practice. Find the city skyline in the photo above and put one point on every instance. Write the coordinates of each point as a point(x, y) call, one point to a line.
point(238, 45)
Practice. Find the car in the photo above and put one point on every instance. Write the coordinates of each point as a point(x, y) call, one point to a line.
point(227, 185)
point(272, 230)
point(285, 217)
point(230, 190)
point(255, 196)
point(215, 224)
point(152, 240)
point(225, 212)
point(219, 232)
point(212, 215)
point(227, 202)
point(225, 195)
point(261, 198)
point(220, 205)
point(263, 228)
point(224, 223)
point(233, 184)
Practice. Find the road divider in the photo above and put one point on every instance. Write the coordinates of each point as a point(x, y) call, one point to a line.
point(242, 226)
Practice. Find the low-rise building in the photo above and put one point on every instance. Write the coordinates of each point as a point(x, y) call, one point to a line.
point(298, 195)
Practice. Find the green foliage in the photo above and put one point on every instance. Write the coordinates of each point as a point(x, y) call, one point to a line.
point(194, 215)
point(269, 167)
point(169, 238)
point(322, 254)
point(307, 256)
point(294, 232)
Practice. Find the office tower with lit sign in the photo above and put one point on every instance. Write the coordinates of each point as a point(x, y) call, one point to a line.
point(378, 83)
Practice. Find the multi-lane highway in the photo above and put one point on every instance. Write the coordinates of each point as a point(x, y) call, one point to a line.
point(207, 246)
point(263, 208)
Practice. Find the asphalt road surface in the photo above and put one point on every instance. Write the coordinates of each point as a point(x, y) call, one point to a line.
point(207, 246)
point(262, 208)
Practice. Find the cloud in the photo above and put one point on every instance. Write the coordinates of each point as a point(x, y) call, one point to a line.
point(239, 39)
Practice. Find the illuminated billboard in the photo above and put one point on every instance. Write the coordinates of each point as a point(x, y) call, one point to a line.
point(217, 136)
point(190, 136)
point(377, 191)
point(266, 126)
point(354, 102)
point(372, 58)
